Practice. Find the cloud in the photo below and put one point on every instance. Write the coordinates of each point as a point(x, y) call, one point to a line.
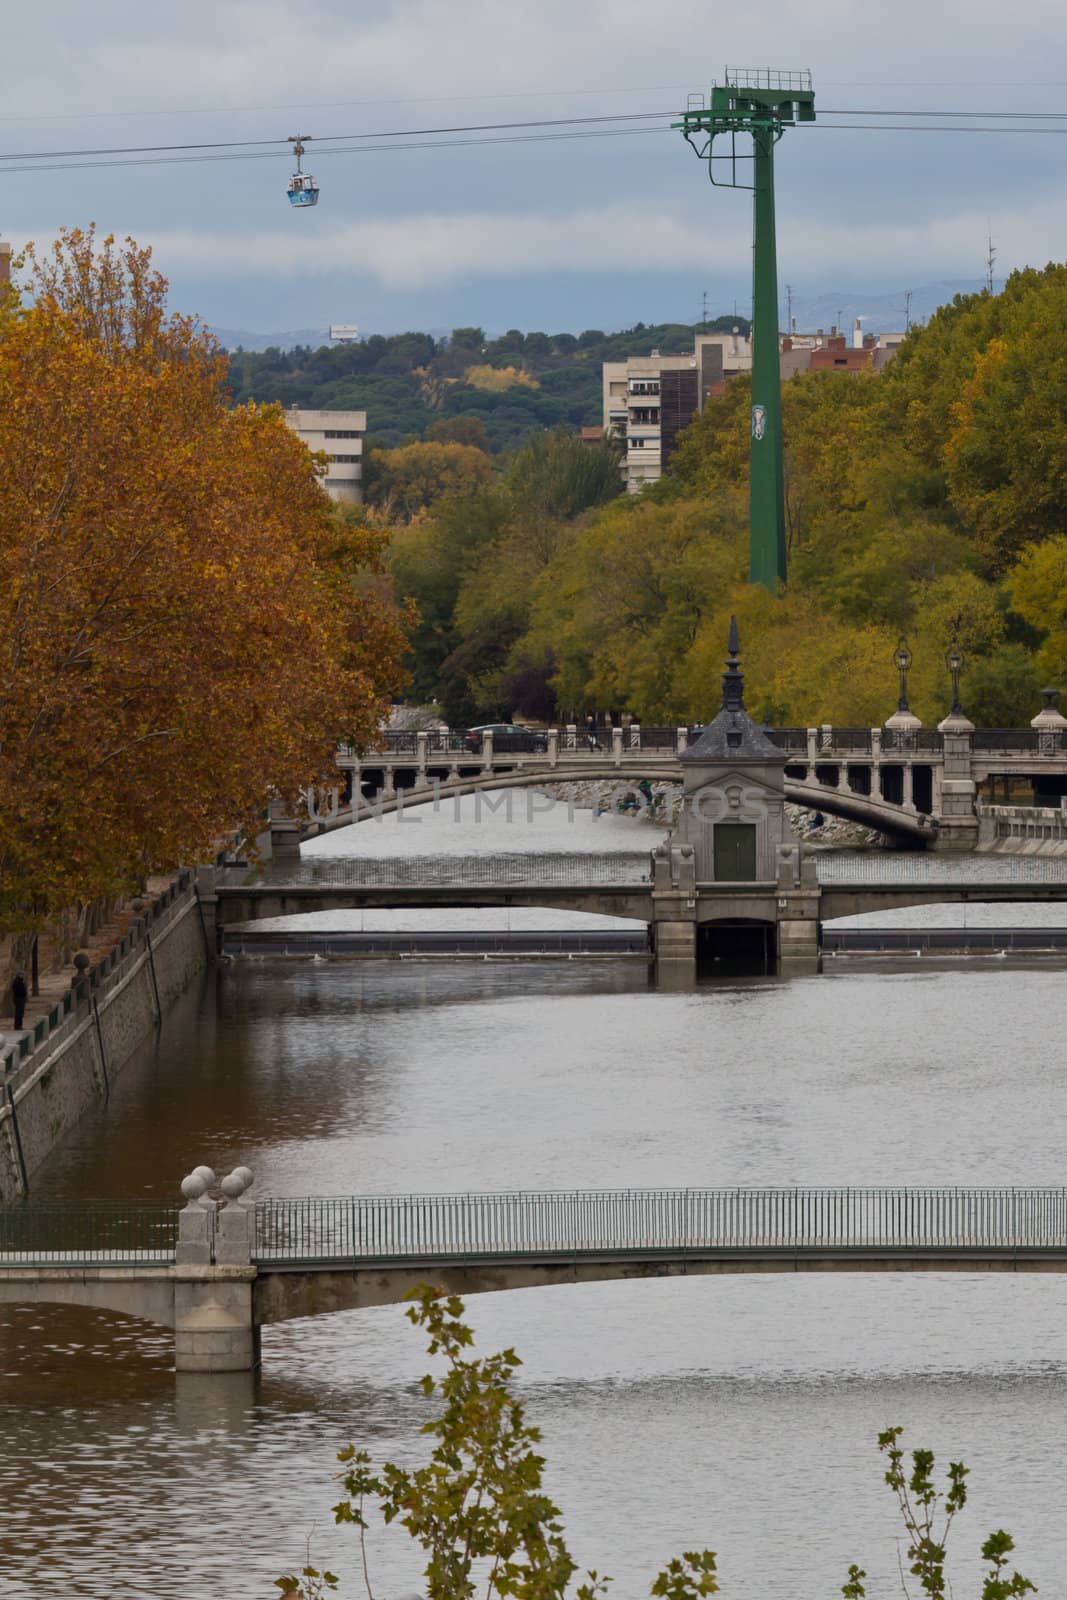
point(414, 252)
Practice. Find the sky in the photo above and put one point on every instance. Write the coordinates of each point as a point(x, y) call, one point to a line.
point(568, 234)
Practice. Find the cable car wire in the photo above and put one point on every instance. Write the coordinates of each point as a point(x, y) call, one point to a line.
point(320, 139)
point(551, 129)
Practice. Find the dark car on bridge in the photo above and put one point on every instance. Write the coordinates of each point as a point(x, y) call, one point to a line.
point(507, 739)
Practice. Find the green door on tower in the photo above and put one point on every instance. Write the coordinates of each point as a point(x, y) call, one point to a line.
point(735, 852)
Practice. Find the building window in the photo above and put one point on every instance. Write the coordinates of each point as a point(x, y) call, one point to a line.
point(346, 458)
point(341, 433)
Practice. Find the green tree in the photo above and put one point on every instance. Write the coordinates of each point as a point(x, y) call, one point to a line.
point(479, 1510)
point(464, 429)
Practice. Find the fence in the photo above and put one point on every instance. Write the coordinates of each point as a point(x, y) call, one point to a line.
point(96, 979)
point(88, 1233)
point(576, 1223)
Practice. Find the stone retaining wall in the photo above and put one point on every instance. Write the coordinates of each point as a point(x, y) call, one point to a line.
point(45, 1096)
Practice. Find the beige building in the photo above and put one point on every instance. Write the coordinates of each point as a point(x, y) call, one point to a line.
point(339, 434)
point(648, 400)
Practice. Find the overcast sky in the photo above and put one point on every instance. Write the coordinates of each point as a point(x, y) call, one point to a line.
point(572, 234)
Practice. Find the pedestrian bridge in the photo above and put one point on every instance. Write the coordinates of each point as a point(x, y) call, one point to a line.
point(216, 1271)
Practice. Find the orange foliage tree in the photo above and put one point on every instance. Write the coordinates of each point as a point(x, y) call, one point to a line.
point(186, 620)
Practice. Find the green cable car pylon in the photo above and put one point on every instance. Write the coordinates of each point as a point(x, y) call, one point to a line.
point(759, 105)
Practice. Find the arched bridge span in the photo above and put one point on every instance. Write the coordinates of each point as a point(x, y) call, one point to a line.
point(870, 811)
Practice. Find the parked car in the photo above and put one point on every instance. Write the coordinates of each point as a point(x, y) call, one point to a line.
point(507, 738)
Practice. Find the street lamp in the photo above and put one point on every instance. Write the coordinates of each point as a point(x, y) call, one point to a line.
point(955, 663)
point(902, 661)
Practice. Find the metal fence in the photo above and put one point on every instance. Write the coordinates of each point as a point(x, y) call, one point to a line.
point(935, 941)
point(905, 740)
point(1012, 740)
point(650, 738)
point(88, 1233)
point(788, 738)
point(575, 1223)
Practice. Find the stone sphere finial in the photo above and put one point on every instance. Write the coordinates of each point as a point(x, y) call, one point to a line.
point(246, 1174)
point(81, 961)
point(233, 1186)
point(206, 1174)
point(194, 1187)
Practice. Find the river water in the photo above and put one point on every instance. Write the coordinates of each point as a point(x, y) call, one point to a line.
point(736, 1413)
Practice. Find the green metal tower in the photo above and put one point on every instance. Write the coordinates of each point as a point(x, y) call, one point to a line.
point(759, 105)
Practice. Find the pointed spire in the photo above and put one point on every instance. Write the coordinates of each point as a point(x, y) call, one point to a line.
point(733, 679)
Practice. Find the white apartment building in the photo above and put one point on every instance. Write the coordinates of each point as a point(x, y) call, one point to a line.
point(340, 435)
point(648, 400)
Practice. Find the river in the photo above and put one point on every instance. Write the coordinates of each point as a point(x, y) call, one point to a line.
point(736, 1413)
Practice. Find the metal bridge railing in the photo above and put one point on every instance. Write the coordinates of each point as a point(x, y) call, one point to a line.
point(97, 1233)
point(595, 1223)
point(902, 740)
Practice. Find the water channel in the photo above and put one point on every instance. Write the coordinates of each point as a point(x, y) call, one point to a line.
point(736, 1413)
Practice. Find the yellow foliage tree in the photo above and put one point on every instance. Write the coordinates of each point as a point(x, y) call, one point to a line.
point(186, 622)
point(410, 478)
point(494, 380)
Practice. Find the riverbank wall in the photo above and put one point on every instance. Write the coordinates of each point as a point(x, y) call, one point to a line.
point(73, 1055)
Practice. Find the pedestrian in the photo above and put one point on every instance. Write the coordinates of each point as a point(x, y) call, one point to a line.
point(590, 732)
point(19, 994)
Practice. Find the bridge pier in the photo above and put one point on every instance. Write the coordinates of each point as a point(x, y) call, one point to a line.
point(284, 833)
point(213, 1320)
point(957, 807)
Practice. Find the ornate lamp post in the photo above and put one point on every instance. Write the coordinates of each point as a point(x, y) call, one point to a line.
point(955, 663)
point(902, 661)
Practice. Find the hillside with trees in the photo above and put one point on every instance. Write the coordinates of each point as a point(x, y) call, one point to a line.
point(410, 383)
point(930, 501)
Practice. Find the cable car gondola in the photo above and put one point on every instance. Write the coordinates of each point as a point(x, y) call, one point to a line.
point(303, 190)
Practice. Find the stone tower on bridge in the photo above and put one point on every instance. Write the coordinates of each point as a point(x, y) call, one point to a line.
point(731, 883)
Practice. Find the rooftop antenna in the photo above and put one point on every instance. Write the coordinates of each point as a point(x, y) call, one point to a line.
point(907, 309)
point(704, 313)
point(991, 258)
point(757, 105)
point(789, 308)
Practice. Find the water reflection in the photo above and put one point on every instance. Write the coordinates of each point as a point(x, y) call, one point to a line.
point(674, 1412)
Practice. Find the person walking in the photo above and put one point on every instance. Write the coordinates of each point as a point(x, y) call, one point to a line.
point(19, 996)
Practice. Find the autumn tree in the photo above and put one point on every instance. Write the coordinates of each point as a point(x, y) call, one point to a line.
point(186, 621)
point(410, 478)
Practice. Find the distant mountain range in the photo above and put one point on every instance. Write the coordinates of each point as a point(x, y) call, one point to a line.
point(881, 311)
point(241, 339)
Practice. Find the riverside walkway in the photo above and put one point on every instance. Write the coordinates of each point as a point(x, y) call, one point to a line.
point(217, 1270)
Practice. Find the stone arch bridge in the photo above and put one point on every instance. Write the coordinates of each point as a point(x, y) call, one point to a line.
point(915, 786)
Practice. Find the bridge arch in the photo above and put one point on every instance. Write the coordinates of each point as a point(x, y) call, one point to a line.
point(868, 810)
point(144, 1294)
